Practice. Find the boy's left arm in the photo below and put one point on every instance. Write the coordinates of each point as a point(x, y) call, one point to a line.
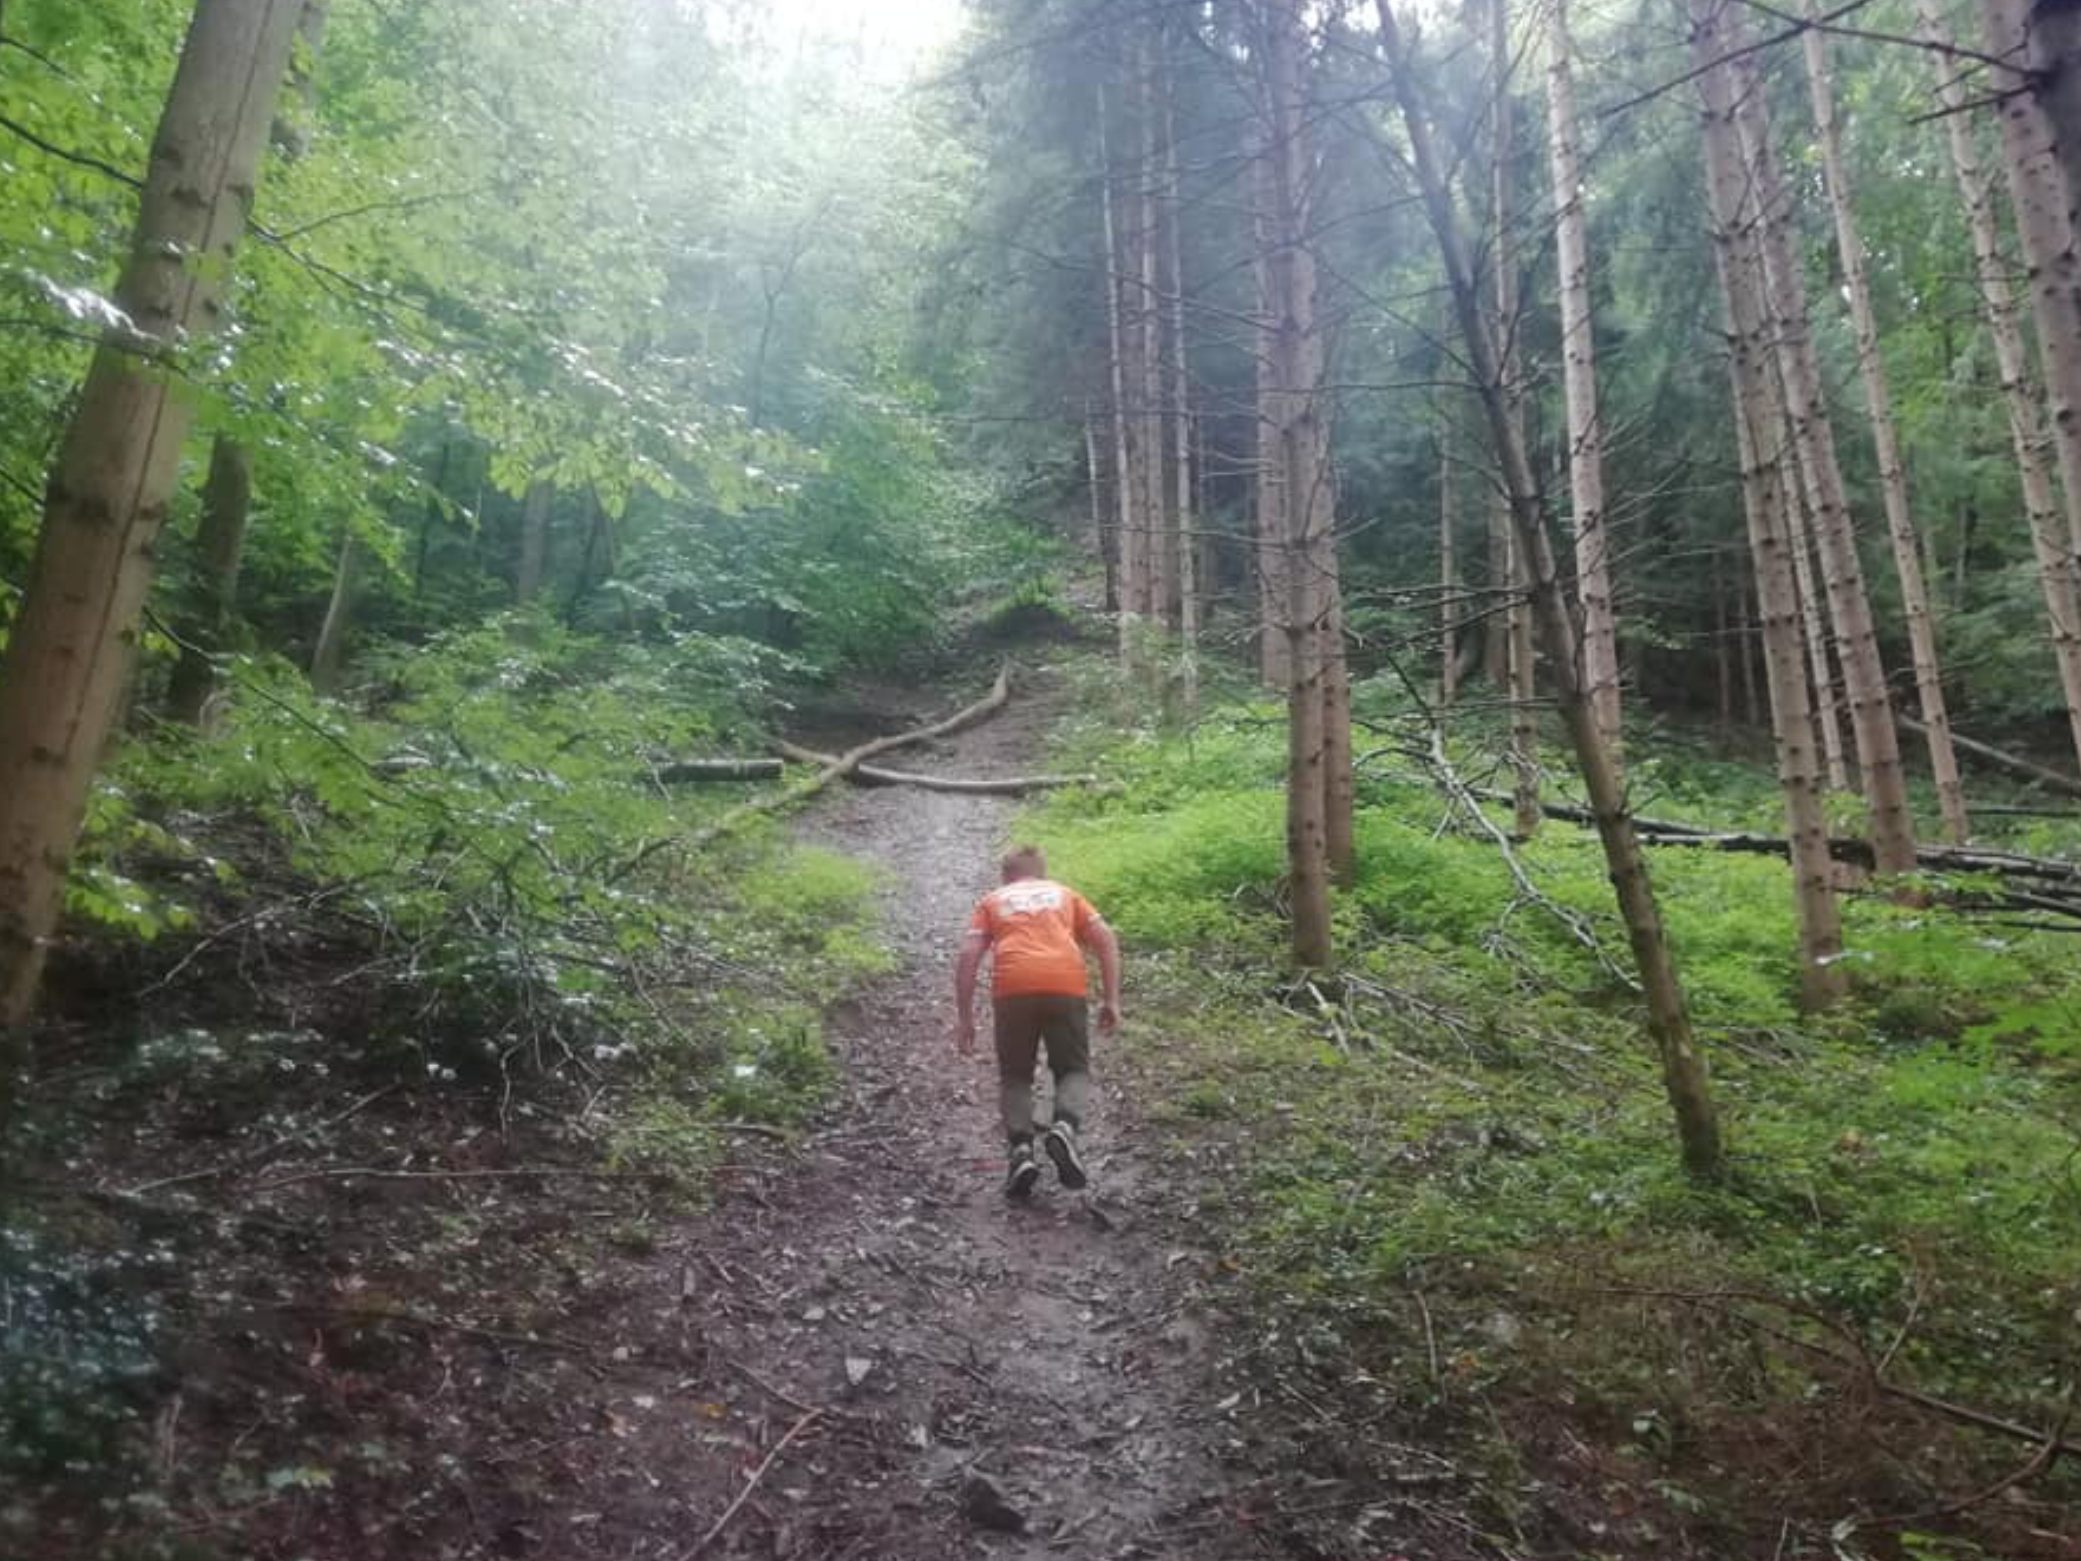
point(1102, 941)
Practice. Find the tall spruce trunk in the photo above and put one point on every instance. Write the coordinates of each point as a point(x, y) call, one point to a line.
point(1518, 650)
point(1813, 612)
point(1128, 527)
point(2052, 269)
point(2059, 579)
point(1101, 527)
point(1885, 436)
point(1767, 500)
point(69, 654)
point(1600, 655)
point(534, 541)
point(1303, 445)
point(1153, 583)
point(2055, 65)
point(2052, 265)
point(1268, 476)
point(1849, 604)
point(1178, 395)
point(1448, 576)
point(1683, 1067)
point(220, 546)
point(329, 654)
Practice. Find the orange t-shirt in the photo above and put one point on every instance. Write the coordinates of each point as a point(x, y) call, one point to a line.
point(1036, 930)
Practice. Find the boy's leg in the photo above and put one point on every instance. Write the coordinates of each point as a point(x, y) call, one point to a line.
point(1016, 1023)
point(1068, 1034)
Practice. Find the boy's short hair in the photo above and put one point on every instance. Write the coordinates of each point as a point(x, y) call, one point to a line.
point(1023, 862)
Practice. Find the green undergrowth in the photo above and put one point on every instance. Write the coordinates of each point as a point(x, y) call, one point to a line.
point(462, 899)
point(487, 823)
point(1466, 1112)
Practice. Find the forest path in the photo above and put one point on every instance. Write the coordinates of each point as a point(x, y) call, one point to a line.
point(1050, 1347)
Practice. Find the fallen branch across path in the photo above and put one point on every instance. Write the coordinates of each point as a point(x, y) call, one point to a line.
point(992, 702)
point(874, 775)
point(682, 771)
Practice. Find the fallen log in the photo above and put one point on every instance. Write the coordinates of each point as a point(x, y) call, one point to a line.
point(992, 702)
point(684, 771)
point(2014, 763)
point(875, 775)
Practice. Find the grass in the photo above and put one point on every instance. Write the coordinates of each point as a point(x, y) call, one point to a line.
point(1468, 1113)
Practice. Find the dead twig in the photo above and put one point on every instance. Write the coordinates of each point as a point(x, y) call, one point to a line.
point(750, 1485)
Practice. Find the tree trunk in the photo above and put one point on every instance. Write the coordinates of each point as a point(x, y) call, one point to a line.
point(1519, 657)
point(2059, 578)
point(1856, 637)
point(1128, 528)
point(1183, 543)
point(534, 540)
point(1827, 700)
point(1269, 483)
point(1102, 534)
point(220, 544)
point(1893, 477)
point(2055, 64)
point(1600, 671)
point(1296, 417)
point(328, 655)
point(68, 656)
point(1152, 600)
point(1766, 501)
point(1448, 576)
point(1683, 1068)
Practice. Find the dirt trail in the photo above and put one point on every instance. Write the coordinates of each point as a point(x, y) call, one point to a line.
point(1049, 1347)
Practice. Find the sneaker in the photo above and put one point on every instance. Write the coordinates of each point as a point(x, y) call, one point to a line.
point(1025, 1171)
point(1061, 1143)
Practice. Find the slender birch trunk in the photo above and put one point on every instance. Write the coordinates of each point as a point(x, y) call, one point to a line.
point(1885, 436)
point(1579, 377)
point(2054, 28)
point(2059, 578)
point(1517, 620)
point(1683, 1067)
point(70, 650)
point(1864, 672)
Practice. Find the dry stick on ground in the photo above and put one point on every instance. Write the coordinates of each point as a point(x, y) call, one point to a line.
point(1007, 786)
point(378, 1173)
point(750, 1485)
point(1000, 693)
point(254, 1156)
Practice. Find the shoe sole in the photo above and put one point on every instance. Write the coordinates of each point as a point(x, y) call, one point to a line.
point(1067, 1165)
point(1020, 1183)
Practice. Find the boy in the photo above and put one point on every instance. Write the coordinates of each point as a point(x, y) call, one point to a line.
point(1036, 932)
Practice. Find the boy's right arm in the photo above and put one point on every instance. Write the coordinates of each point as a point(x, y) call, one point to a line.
point(970, 960)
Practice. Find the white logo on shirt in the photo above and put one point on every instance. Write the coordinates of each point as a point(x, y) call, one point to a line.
point(1030, 899)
